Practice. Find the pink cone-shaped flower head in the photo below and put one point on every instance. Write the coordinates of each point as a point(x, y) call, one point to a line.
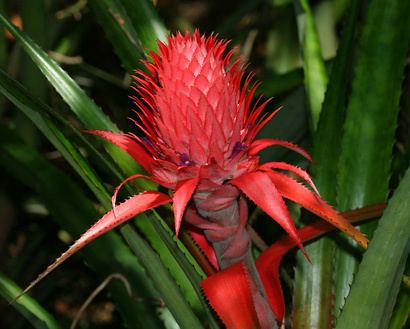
point(195, 112)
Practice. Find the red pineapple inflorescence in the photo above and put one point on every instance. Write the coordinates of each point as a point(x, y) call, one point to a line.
point(195, 109)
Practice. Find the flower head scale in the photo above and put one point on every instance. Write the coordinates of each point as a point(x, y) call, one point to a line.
point(195, 110)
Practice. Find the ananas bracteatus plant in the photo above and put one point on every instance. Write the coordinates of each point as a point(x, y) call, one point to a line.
point(199, 125)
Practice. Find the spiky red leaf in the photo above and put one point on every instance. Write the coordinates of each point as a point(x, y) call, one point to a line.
point(296, 192)
point(124, 211)
point(269, 260)
point(117, 189)
point(127, 144)
point(263, 143)
point(182, 195)
point(286, 166)
point(260, 189)
point(205, 247)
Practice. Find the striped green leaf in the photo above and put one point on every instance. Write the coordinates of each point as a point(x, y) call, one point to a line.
point(36, 315)
point(117, 25)
point(313, 300)
point(74, 212)
point(313, 65)
point(374, 291)
point(365, 160)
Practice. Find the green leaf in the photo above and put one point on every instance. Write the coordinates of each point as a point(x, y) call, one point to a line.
point(330, 127)
point(374, 291)
point(313, 301)
point(313, 65)
point(402, 308)
point(365, 160)
point(85, 109)
point(131, 26)
point(75, 213)
point(37, 316)
point(35, 20)
point(146, 21)
point(82, 106)
point(37, 112)
point(114, 19)
point(326, 22)
point(181, 266)
point(162, 280)
point(367, 147)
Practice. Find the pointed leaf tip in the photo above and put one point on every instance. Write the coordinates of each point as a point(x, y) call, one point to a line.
point(181, 197)
point(292, 190)
point(260, 144)
point(260, 189)
point(117, 189)
point(126, 210)
point(205, 247)
point(127, 144)
point(288, 167)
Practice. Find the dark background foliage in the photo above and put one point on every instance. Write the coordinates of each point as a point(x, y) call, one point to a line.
point(361, 145)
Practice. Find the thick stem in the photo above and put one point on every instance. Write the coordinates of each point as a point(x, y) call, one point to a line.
point(226, 230)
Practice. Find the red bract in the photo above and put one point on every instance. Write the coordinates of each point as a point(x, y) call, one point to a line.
point(199, 124)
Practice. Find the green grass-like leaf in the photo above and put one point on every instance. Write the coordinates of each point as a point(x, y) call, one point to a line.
point(374, 291)
point(313, 303)
point(38, 113)
point(85, 109)
point(182, 268)
point(90, 115)
point(75, 213)
point(35, 20)
point(402, 309)
point(146, 21)
point(35, 314)
point(132, 27)
point(313, 65)
point(163, 281)
point(117, 25)
point(365, 160)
